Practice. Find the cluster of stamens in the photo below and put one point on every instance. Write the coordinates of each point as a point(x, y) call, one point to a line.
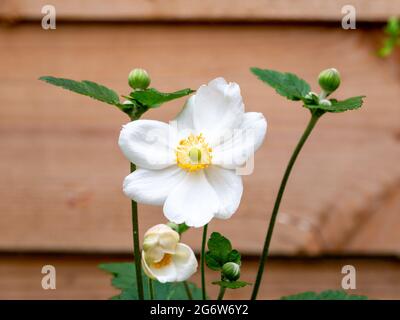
point(193, 153)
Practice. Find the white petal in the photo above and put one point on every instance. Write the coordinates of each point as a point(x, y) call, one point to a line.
point(167, 273)
point(168, 241)
point(235, 151)
point(193, 201)
point(218, 108)
point(184, 120)
point(148, 143)
point(152, 186)
point(154, 254)
point(229, 188)
point(185, 262)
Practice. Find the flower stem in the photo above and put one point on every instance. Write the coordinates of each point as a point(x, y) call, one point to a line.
point(221, 293)
point(202, 259)
point(136, 248)
point(188, 291)
point(151, 289)
point(314, 118)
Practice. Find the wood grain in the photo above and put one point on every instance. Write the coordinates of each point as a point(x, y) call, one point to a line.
point(205, 10)
point(61, 169)
point(77, 277)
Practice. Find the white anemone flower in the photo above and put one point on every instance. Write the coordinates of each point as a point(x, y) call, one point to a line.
point(164, 258)
point(189, 166)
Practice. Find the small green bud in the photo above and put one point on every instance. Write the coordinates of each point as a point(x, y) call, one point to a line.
point(311, 98)
point(139, 79)
point(325, 103)
point(329, 80)
point(128, 103)
point(231, 271)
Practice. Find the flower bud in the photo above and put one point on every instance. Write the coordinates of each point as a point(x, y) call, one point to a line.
point(325, 103)
point(329, 80)
point(231, 271)
point(139, 79)
point(311, 98)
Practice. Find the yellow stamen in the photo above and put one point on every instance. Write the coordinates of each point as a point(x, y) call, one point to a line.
point(193, 153)
point(166, 260)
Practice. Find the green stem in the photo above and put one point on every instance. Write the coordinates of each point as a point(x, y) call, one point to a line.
point(188, 291)
point(221, 293)
point(151, 289)
point(314, 118)
point(202, 259)
point(136, 248)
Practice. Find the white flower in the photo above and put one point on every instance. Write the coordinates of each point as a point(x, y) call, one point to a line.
point(188, 166)
point(166, 259)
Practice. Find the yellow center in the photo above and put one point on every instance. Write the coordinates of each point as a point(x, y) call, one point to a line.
point(166, 260)
point(193, 153)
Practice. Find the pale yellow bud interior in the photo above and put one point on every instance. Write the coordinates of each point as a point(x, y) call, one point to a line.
point(166, 260)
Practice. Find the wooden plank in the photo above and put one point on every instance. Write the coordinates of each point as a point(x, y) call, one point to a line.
point(62, 170)
point(77, 277)
point(205, 10)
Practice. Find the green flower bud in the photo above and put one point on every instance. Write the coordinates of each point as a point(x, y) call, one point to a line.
point(231, 271)
point(139, 79)
point(311, 98)
point(325, 103)
point(329, 80)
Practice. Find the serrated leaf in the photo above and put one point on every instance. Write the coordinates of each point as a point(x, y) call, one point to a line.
point(340, 106)
point(324, 295)
point(219, 246)
point(124, 278)
point(213, 262)
point(231, 284)
point(153, 98)
point(286, 84)
point(234, 256)
point(87, 88)
point(348, 104)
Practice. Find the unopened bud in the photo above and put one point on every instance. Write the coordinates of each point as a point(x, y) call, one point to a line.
point(329, 80)
point(325, 103)
point(231, 271)
point(311, 98)
point(139, 79)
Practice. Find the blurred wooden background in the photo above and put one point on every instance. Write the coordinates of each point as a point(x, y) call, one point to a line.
point(62, 170)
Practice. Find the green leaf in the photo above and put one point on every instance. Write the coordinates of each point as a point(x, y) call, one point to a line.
point(234, 256)
point(87, 88)
point(286, 84)
point(339, 106)
point(124, 278)
point(220, 252)
point(213, 261)
point(219, 246)
point(348, 104)
point(392, 29)
point(231, 284)
point(153, 98)
point(325, 295)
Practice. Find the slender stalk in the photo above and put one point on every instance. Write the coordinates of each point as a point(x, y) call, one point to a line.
point(202, 259)
point(136, 248)
point(221, 293)
point(314, 118)
point(188, 291)
point(151, 289)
